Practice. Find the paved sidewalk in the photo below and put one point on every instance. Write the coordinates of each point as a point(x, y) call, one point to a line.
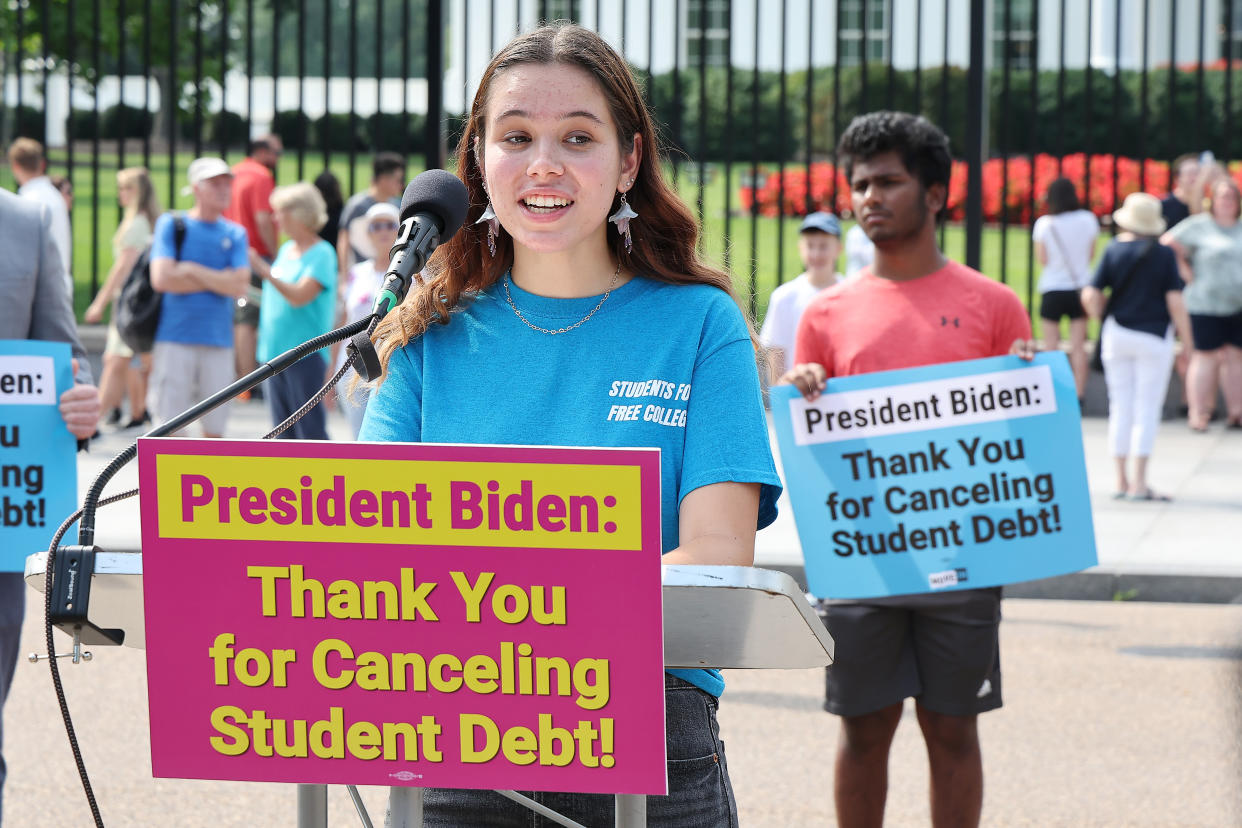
point(1116, 714)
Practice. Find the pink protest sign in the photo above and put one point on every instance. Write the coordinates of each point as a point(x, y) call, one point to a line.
point(437, 616)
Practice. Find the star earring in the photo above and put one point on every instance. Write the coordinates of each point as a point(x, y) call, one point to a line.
point(622, 217)
point(493, 227)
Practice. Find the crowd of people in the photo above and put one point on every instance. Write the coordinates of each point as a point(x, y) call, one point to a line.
point(232, 293)
point(1173, 267)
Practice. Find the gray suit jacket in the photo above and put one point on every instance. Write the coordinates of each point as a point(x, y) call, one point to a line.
point(33, 301)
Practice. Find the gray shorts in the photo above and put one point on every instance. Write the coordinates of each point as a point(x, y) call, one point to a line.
point(183, 375)
point(942, 649)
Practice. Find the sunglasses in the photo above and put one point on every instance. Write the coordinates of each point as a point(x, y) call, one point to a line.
point(383, 225)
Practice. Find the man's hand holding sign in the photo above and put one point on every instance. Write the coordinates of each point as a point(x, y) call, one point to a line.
point(38, 485)
point(810, 378)
point(951, 476)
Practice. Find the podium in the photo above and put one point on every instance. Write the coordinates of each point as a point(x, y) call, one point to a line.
point(722, 617)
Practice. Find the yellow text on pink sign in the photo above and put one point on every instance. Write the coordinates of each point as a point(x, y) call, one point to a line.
point(441, 503)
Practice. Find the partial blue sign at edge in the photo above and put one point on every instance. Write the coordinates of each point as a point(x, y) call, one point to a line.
point(38, 465)
point(927, 504)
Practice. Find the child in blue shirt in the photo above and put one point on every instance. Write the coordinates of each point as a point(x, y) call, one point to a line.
point(541, 325)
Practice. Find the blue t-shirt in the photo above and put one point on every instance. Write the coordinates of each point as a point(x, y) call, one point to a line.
point(204, 317)
point(281, 325)
point(658, 365)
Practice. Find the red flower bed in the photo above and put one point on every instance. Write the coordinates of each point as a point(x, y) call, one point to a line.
point(1007, 186)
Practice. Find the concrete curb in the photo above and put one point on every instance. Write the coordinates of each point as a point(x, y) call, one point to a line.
point(1099, 585)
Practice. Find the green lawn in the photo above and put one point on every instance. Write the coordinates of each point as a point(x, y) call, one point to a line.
point(92, 248)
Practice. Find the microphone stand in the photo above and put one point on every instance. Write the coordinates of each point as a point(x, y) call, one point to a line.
point(68, 570)
point(359, 334)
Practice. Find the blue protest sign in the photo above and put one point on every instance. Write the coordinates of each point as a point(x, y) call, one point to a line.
point(38, 468)
point(951, 476)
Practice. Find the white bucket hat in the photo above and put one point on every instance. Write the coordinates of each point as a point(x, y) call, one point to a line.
point(359, 232)
point(1141, 214)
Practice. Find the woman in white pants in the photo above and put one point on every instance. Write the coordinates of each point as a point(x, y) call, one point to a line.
point(1144, 305)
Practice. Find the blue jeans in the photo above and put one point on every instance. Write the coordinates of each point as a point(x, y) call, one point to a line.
point(699, 793)
point(290, 389)
point(12, 608)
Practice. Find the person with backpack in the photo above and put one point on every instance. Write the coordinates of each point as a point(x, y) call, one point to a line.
point(193, 352)
point(123, 369)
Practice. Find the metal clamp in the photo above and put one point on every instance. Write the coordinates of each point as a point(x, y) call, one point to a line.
point(78, 655)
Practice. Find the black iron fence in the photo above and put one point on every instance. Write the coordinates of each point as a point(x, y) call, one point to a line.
point(751, 96)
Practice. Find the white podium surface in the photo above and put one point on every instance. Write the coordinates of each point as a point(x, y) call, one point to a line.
point(740, 617)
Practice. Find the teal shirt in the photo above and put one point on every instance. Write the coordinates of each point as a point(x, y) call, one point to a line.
point(281, 325)
point(1215, 254)
point(657, 365)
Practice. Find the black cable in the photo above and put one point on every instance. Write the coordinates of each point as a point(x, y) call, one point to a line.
point(51, 654)
point(311, 403)
point(100, 481)
point(86, 529)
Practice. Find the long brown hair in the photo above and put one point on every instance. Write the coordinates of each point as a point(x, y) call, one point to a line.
point(664, 237)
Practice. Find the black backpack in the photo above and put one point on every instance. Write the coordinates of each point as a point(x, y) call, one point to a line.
point(138, 306)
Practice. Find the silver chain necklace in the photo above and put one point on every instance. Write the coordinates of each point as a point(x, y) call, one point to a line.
point(509, 297)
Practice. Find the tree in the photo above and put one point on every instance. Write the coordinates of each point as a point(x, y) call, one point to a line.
point(120, 33)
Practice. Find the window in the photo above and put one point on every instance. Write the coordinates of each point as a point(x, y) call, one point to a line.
point(855, 32)
point(558, 10)
point(707, 31)
point(1020, 53)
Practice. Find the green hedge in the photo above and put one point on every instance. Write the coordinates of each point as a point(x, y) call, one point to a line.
point(122, 121)
point(375, 133)
point(25, 121)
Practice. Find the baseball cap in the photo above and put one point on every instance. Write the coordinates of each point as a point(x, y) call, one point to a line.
point(202, 169)
point(821, 222)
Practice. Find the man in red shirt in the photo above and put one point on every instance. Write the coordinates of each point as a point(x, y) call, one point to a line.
point(911, 307)
point(253, 181)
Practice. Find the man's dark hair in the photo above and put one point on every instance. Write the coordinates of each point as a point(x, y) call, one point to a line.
point(259, 144)
point(1062, 196)
point(923, 147)
point(386, 162)
point(330, 188)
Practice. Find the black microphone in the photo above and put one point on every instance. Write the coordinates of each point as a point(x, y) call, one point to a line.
point(432, 210)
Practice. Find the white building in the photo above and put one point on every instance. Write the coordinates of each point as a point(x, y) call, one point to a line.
point(676, 32)
point(912, 32)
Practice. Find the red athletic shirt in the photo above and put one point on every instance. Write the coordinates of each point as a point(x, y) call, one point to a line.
point(871, 324)
point(252, 188)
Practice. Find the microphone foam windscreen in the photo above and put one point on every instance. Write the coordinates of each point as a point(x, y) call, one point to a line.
point(441, 194)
